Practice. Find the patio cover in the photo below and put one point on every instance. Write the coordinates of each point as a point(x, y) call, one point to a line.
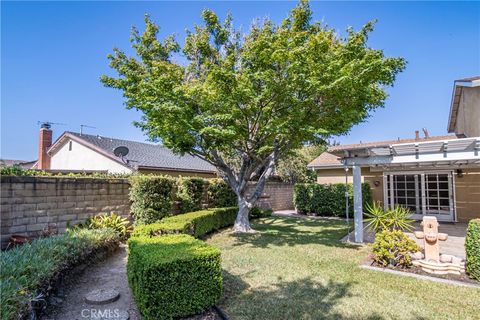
point(448, 154)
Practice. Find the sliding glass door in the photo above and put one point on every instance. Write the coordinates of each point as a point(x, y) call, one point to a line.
point(424, 193)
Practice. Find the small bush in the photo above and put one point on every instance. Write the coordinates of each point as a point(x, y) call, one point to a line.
point(196, 223)
point(327, 199)
point(393, 248)
point(173, 276)
point(151, 198)
point(113, 221)
point(220, 195)
point(472, 249)
point(27, 269)
point(190, 194)
point(257, 212)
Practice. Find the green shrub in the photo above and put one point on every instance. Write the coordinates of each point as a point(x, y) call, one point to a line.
point(190, 193)
point(17, 171)
point(301, 197)
point(196, 223)
point(173, 276)
point(379, 219)
point(327, 199)
point(151, 197)
point(393, 248)
point(25, 269)
point(220, 195)
point(472, 249)
point(113, 221)
point(257, 212)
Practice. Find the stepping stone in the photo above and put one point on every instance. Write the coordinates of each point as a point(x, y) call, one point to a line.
point(102, 296)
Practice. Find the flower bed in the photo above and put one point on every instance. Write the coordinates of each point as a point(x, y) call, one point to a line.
point(27, 271)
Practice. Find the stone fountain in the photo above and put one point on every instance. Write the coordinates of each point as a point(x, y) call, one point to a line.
point(434, 262)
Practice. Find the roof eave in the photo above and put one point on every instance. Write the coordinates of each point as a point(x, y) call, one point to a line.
point(173, 169)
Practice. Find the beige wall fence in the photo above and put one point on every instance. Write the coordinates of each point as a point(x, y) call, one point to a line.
point(33, 206)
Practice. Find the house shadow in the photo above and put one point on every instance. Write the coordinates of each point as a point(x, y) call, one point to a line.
point(299, 299)
point(281, 231)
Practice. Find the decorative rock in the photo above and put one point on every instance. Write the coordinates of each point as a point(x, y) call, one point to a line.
point(457, 260)
point(417, 255)
point(446, 258)
point(102, 296)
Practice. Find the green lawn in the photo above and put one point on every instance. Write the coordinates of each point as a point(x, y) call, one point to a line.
point(299, 269)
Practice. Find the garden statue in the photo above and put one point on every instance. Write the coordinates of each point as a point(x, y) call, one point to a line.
point(433, 261)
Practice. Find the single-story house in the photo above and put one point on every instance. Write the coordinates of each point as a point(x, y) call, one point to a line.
point(437, 176)
point(24, 164)
point(77, 152)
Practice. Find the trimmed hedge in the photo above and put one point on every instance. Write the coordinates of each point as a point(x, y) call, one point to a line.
point(27, 270)
point(151, 197)
point(173, 276)
point(472, 249)
point(190, 193)
point(220, 195)
point(196, 223)
point(326, 199)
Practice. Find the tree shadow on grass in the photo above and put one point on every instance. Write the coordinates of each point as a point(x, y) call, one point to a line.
point(299, 299)
point(280, 231)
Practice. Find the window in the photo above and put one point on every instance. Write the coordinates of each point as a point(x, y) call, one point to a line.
point(70, 146)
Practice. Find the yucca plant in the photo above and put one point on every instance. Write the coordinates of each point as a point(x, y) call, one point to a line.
point(379, 219)
point(399, 219)
point(376, 217)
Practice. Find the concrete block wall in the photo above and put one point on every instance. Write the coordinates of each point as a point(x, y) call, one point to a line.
point(31, 205)
point(275, 196)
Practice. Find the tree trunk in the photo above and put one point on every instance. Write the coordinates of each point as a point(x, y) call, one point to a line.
point(242, 224)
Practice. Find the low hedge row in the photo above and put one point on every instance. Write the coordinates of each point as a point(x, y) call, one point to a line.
point(472, 249)
point(195, 223)
point(170, 272)
point(326, 199)
point(173, 276)
point(27, 270)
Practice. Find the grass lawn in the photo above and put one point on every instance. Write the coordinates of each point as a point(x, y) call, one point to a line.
point(299, 269)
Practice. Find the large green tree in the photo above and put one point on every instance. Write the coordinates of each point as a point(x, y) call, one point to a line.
point(243, 101)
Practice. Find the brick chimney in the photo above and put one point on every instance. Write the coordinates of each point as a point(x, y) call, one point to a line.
point(417, 135)
point(44, 144)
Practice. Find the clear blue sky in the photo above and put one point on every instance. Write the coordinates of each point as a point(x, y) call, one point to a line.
point(53, 53)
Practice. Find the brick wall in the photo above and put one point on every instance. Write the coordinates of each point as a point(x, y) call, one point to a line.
point(30, 205)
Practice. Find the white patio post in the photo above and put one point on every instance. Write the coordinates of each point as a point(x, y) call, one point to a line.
point(357, 202)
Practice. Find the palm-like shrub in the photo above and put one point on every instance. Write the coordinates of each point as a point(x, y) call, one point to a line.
point(379, 219)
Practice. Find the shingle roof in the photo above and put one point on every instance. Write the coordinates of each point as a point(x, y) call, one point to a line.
point(19, 163)
point(146, 154)
point(326, 159)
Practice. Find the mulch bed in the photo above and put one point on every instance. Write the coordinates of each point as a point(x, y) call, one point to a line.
point(416, 270)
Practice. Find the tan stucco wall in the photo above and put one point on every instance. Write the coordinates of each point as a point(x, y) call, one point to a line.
point(468, 116)
point(467, 193)
point(179, 173)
